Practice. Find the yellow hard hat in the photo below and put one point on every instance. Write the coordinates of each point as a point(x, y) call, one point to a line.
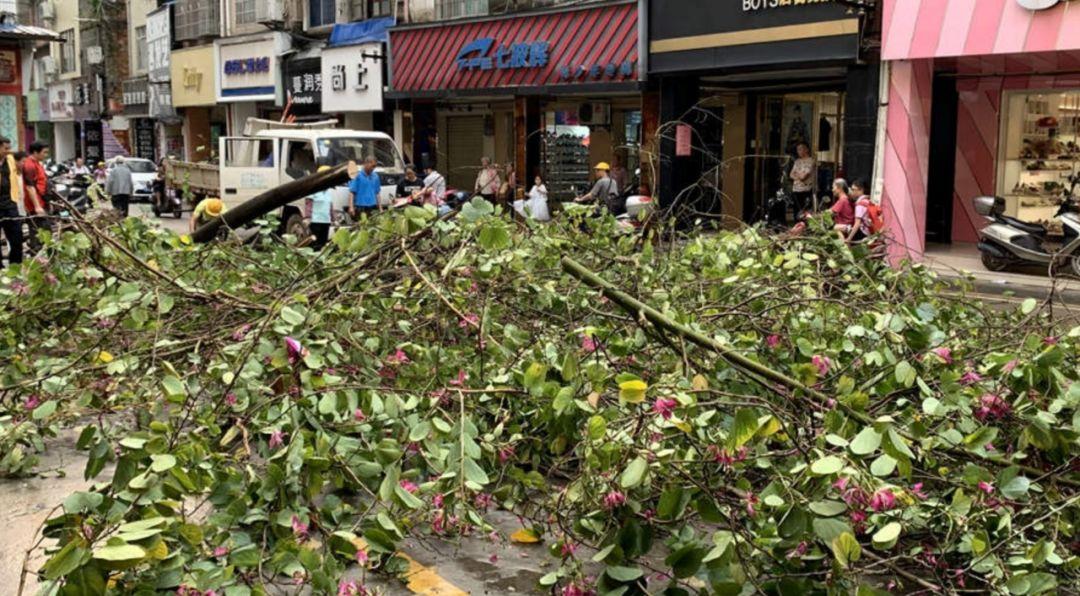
point(603, 166)
point(214, 207)
point(323, 168)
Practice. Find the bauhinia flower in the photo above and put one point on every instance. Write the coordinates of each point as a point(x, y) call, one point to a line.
point(295, 351)
point(992, 406)
point(221, 551)
point(665, 407)
point(823, 364)
point(772, 341)
point(409, 486)
point(614, 499)
point(351, 587)
point(277, 439)
point(362, 556)
point(230, 399)
point(970, 378)
point(986, 487)
point(1010, 366)
point(460, 380)
point(358, 415)
point(883, 500)
point(799, 551)
point(299, 528)
point(398, 357)
point(469, 320)
point(241, 332)
point(588, 344)
point(917, 490)
point(31, 402)
point(944, 353)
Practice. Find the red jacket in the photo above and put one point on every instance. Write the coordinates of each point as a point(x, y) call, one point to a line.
point(33, 177)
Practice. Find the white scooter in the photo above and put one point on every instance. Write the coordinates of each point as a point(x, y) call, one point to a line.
point(1008, 242)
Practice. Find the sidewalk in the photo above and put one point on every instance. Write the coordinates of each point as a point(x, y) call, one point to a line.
point(961, 261)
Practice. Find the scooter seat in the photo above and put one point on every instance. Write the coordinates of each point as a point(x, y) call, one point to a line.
point(1030, 228)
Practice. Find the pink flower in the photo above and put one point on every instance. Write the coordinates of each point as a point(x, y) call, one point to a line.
point(230, 399)
point(351, 587)
point(506, 454)
point(409, 486)
point(241, 332)
point(944, 353)
point(574, 589)
point(469, 320)
point(361, 556)
point(857, 517)
point(398, 357)
point(970, 378)
point(483, 501)
point(277, 439)
point(1050, 340)
point(823, 363)
point(221, 551)
point(437, 500)
point(883, 500)
point(494, 558)
point(772, 341)
point(295, 351)
point(841, 483)
point(986, 487)
point(799, 551)
point(460, 380)
point(917, 490)
point(51, 279)
point(992, 406)
point(1010, 366)
point(567, 549)
point(299, 528)
point(751, 500)
point(19, 288)
point(614, 499)
point(358, 415)
point(31, 402)
point(665, 407)
point(588, 344)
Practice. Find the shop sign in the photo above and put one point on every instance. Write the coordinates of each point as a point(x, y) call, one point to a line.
point(158, 45)
point(1037, 4)
point(191, 74)
point(60, 98)
point(9, 67)
point(159, 96)
point(93, 141)
point(753, 5)
point(136, 96)
point(248, 68)
point(683, 134)
point(478, 55)
point(352, 78)
point(304, 82)
point(145, 142)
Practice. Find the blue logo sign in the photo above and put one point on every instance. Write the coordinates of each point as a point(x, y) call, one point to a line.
point(247, 65)
point(478, 55)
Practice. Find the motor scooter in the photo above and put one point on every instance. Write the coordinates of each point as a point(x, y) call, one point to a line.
point(165, 199)
point(1009, 242)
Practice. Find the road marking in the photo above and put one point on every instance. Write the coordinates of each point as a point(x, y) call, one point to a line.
point(421, 579)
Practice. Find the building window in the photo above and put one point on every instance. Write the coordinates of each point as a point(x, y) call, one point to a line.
point(246, 13)
point(67, 51)
point(140, 49)
point(379, 8)
point(320, 13)
point(195, 19)
point(453, 9)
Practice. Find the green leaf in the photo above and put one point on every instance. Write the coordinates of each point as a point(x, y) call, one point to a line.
point(673, 502)
point(292, 316)
point(1028, 306)
point(474, 473)
point(830, 464)
point(65, 561)
point(905, 374)
point(407, 499)
point(118, 550)
point(174, 387)
point(44, 410)
point(883, 466)
point(1016, 488)
point(494, 236)
point(746, 426)
point(82, 502)
point(885, 538)
point(162, 462)
point(846, 549)
point(828, 508)
point(632, 391)
point(686, 561)
point(634, 473)
point(420, 431)
point(623, 574)
point(866, 442)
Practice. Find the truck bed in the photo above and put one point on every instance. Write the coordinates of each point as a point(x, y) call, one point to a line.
point(201, 178)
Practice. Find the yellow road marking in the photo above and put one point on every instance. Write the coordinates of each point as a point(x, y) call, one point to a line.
point(421, 579)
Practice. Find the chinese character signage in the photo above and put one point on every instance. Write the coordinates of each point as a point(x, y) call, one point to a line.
point(60, 100)
point(478, 55)
point(136, 97)
point(158, 45)
point(93, 141)
point(304, 83)
point(160, 97)
point(144, 138)
point(352, 78)
point(248, 68)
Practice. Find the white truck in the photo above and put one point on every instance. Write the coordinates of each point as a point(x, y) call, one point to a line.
point(272, 153)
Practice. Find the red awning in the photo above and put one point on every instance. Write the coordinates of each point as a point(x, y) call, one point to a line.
point(572, 47)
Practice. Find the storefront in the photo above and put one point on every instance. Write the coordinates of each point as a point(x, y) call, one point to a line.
point(303, 84)
point(11, 90)
point(533, 91)
point(137, 111)
point(742, 84)
point(167, 130)
point(249, 76)
point(981, 103)
point(62, 114)
point(195, 99)
point(353, 74)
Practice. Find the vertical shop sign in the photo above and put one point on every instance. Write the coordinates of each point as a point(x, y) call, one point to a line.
point(158, 45)
point(144, 138)
point(93, 142)
point(682, 140)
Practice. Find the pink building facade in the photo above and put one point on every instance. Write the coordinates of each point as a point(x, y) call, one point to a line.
point(983, 99)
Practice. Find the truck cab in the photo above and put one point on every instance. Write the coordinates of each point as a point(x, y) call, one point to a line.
point(270, 154)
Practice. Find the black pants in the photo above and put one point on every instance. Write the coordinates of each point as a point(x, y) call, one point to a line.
point(120, 203)
point(321, 232)
point(802, 201)
point(11, 224)
point(35, 223)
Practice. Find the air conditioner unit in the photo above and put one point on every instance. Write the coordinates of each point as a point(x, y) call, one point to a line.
point(594, 114)
point(47, 10)
point(48, 65)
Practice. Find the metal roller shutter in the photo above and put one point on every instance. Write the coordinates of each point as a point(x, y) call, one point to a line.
point(465, 148)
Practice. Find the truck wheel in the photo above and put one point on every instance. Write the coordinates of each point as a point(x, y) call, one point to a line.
point(295, 225)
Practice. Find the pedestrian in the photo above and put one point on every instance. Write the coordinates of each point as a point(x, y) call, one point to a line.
point(843, 209)
point(487, 181)
point(36, 184)
point(410, 186)
point(434, 186)
point(604, 191)
point(802, 180)
point(619, 173)
point(508, 190)
point(80, 168)
point(206, 210)
point(100, 173)
point(536, 205)
point(365, 189)
point(119, 186)
point(11, 187)
point(322, 214)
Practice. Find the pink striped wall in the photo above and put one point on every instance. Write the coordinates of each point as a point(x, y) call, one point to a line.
point(951, 28)
point(905, 165)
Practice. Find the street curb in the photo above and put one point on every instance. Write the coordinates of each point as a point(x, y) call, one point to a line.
point(1069, 294)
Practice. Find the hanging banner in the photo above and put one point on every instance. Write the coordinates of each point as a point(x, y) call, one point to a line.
point(145, 141)
point(158, 45)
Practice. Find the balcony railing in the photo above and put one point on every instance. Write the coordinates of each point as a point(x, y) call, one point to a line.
point(196, 19)
point(456, 9)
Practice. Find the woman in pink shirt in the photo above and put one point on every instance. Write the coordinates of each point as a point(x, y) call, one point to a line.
point(843, 208)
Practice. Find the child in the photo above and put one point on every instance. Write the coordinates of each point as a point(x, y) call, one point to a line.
point(868, 219)
point(321, 205)
point(537, 204)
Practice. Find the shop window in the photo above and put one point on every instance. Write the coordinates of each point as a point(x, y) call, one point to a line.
point(566, 155)
point(320, 13)
point(249, 153)
point(454, 9)
point(1040, 150)
point(140, 49)
point(67, 51)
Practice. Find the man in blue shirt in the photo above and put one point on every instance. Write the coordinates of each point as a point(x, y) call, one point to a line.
point(365, 190)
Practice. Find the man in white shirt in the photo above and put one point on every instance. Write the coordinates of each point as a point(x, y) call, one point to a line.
point(434, 183)
point(80, 168)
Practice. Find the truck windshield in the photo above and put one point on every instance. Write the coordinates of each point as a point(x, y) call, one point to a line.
point(337, 151)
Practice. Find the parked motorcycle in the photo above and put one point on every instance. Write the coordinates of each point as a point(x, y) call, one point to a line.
point(165, 199)
point(1009, 242)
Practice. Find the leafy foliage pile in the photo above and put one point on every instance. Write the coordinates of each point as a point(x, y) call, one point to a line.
point(257, 415)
